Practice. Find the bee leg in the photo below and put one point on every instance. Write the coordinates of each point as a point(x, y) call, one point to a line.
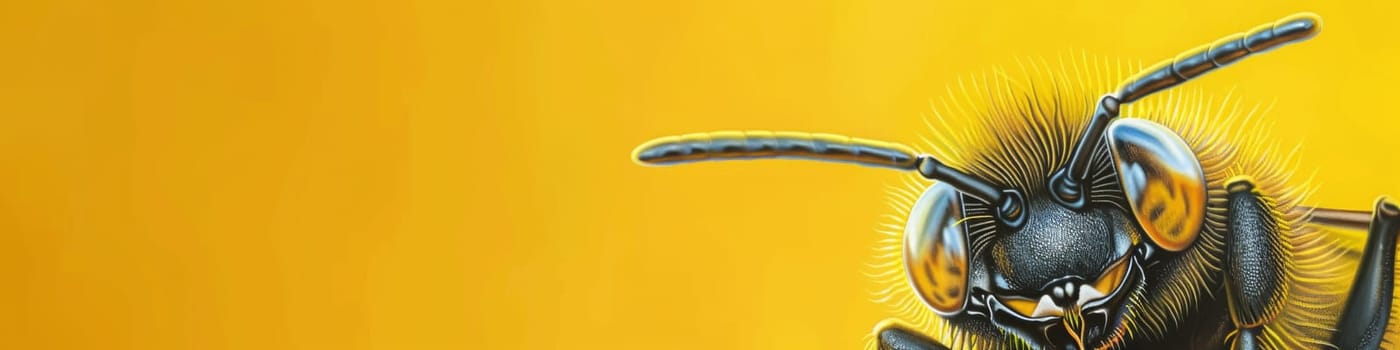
point(1363, 321)
point(1255, 252)
point(897, 338)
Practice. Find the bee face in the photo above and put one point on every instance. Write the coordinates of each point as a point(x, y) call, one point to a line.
point(1056, 245)
point(1062, 275)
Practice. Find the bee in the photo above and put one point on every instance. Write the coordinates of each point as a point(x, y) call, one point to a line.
point(1068, 220)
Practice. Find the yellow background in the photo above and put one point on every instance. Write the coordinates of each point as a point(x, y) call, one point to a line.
point(455, 175)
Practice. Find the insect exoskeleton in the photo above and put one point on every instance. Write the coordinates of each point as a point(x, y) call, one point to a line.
point(1062, 217)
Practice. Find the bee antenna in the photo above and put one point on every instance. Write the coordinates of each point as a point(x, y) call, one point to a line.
point(745, 145)
point(1067, 183)
point(1009, 202)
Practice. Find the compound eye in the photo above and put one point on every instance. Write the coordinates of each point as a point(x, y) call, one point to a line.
point(935, 249)
point(1162, 179)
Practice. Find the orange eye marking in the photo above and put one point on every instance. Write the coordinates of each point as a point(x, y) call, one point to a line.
point(1025, 307)
point(1112, 277)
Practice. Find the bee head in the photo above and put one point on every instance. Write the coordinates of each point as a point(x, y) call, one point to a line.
point(1055, 273)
